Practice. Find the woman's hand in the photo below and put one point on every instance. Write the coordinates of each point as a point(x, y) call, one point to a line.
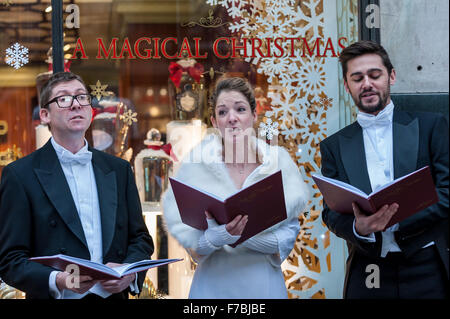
point(236, 226)
point(220, 235)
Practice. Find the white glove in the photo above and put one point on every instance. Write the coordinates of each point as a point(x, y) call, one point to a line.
point(214, 238)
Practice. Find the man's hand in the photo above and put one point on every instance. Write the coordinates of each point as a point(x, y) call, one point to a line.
point(81, 284)
point(365, 225)
point(117, 285)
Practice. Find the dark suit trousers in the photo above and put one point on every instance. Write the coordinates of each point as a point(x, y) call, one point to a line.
point(419, 276)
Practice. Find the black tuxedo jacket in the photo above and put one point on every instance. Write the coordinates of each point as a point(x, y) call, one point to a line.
point(419, 139)
point(38, 217)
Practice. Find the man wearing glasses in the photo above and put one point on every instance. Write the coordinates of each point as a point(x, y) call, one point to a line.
point(67, 198)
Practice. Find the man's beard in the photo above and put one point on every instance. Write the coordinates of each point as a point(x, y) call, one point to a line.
point(383, 97)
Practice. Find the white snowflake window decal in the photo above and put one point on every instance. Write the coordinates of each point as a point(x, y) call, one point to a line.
point(268, 129)
point(17, 56)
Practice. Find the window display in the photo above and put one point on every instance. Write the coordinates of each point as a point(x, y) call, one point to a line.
point(150, 67)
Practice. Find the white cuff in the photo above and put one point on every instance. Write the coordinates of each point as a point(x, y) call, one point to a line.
point(266, 243)
point(204, 247)
point(54, 291)
point(134, 286)
point(218, 234)
point(367, 239)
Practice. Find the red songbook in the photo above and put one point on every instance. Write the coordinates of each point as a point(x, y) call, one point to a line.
point(263, 203)
point(96, 270)
point(413, 193)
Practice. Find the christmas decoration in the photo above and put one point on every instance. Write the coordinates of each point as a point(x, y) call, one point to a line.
point(7, 3)
point(99, 90)
point(17, 56)
point(268, 129)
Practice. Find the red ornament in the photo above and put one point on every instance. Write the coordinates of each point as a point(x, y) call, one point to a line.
point(176, 71)
point(167, 148)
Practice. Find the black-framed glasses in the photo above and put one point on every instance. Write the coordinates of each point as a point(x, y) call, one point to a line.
point(66, 101)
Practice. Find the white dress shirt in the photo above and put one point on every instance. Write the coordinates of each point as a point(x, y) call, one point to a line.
point(378, 146)
point(80, 176)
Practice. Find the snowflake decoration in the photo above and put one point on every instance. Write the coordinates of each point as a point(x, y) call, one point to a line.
point(279, 67)
point(326, 102)
point(128, 117)
point(7, 3)
point(98, 90)
point(312, 77)
point(314, 126)
point(17, 56)
point(268, 129)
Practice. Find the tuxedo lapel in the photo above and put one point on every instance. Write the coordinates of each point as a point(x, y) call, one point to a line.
point(107, 198)
point(54, 183)
point(405, 135)
point(353, 157)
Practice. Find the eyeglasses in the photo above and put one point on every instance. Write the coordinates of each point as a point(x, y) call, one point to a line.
point(66, 101)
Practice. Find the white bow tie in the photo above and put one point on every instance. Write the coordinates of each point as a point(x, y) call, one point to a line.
point(79, 158)
point(382, 119)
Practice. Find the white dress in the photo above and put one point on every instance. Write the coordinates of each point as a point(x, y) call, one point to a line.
point(238, 272)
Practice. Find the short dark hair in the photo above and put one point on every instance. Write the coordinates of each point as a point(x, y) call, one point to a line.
point(233, 84)
point(364, 47)
point(55, 79)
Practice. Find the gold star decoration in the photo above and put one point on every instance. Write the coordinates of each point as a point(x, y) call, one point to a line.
point(98, 90)
point(7, 3)
point(128, 117)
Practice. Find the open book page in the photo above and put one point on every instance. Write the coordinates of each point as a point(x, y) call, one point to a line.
point(79, 261)
point(342, 185)
point(379, 189)
point(122, 269)
point(89, 263)
point(98, 270)
point(141, 265)
point(412, 192)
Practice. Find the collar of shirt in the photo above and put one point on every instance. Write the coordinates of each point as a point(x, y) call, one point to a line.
point(82, 157)
point(384, 118)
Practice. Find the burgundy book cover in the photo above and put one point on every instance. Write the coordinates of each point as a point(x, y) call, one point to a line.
point(412, 193)
point(61, 264)
point(263, 202)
